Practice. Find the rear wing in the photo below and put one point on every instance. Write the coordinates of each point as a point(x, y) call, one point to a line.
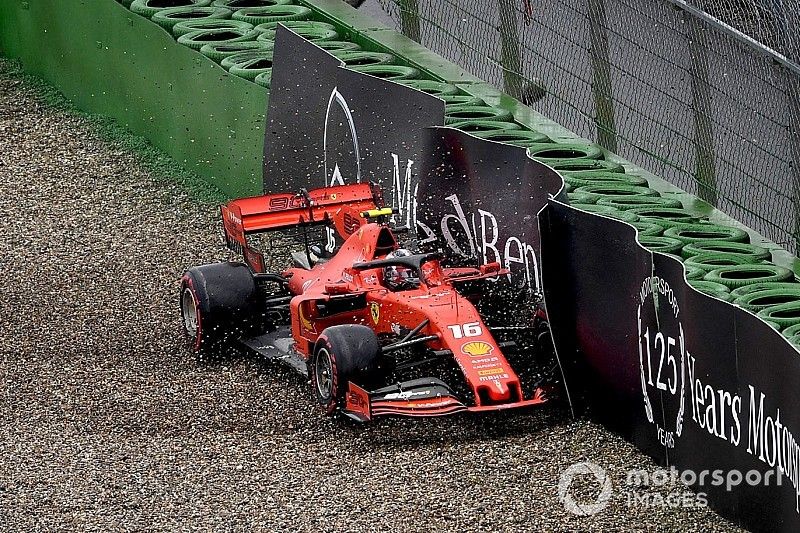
point(339, 206)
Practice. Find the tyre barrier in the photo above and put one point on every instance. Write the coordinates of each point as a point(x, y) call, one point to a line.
point(558, 152)
point(579, 179)
point(667, 216)
point(710, 260)
point(691, 233)
point(275, 13)
point(577, 197)
point(580, 168)
point(310, 30)
point(758, 287)
point(388, 72)
point(785, 315)
point(756, 301)
point(336, 45)
point(739, 275)
point(197, 39)
point(633, 201)
point(148, 8)
point(693, 273)
point(616, 189)
point(717, 290)
point(484, 125)
point(516, 137)
point(265, 78)
point(648, 229)
point(238, 4)
point(167, 18)
point(457, 98)
point(441, 89)
point(459, 112)
point(360, 57)
point(625, 216)
point(249, 65)
point(660, 244)
point(219, 51)
point(191, 26)
point(726, 247)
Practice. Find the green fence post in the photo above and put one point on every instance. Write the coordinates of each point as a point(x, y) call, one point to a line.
point(705, 166)
point(409, 19)
point(601, 76)
point(509, 49)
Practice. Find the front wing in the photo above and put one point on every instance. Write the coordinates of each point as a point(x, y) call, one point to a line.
point(425, 397)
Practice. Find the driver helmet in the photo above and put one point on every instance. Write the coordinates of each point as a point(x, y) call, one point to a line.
point(399, 276)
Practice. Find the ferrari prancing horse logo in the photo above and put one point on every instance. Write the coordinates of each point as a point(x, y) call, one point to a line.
point(375, 312)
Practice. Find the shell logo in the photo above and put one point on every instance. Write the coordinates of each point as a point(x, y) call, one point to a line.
point(305, 322)
point(477, 348)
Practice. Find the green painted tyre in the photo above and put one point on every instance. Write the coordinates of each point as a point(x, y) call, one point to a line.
point(757, 301)
point(792, 331)
point(591, 178)
point(577, 197)
point(710, 260)
point(785, 315)
point(333, 46)
point(727, 247)
point(275, 13)
point(586, 167)
point(459, 112)
point(694, 273)
point(148, 8)
point(251, 66)
point(167, 18)
point(637, 200)
point(264, 79)
point(239, 4)
point(242, 57)
point(219, 51)
point(616, 189)
point(197, 39)
point(666, 216)
point(660, 244)
point(516, 137)
point(359, 57)
point(758, 287)
point(484, 125)
point(438, 88)
point(648, 229)
point(691, 233)
point(308, 29)
point(557, 152)
point(625, 216)
point(458, 98)
point(717, 290)
point(191, 26)
point(294, 25)
point(388, 72)
point(739, 275)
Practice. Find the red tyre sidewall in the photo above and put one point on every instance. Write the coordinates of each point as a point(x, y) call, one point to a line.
point(195, 343)
point(330, 407)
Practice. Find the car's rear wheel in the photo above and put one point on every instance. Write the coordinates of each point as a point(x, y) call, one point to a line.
point(342, 354)
point(219, 302)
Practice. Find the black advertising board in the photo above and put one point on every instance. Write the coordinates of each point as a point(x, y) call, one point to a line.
point(327, 124)
point(478, 202)
point(697, 383)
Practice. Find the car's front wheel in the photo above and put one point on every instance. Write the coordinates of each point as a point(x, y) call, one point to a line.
point(344, 353)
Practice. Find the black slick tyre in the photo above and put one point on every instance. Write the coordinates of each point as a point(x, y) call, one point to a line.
point(344, 353)
point(219, 302)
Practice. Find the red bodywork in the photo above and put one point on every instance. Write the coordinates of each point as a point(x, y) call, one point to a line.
point(452, 319)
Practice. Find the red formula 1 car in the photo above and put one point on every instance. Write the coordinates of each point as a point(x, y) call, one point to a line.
point(377, 329)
